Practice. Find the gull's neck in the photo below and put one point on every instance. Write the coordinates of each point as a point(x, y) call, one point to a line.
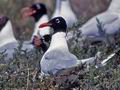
point(114, 6)
point(67, 13)
point(65, 3)
point(7, 35)
point(38, 16)
point(43, 18)
point(43, 31)
point(60, 4)
point(58, 41)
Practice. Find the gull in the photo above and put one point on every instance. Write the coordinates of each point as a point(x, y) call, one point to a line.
point(103, 26)
point(39, 12)
point(58, 56)
point(8, 41)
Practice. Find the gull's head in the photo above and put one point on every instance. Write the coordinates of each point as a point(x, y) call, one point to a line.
point(35, 10)
point(58, 24)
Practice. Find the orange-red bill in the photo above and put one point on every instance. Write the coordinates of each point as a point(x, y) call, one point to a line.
point(45, 25)
point(27, 11)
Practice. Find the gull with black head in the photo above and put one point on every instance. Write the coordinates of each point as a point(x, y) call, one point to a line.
point(58, 56)
point(39, 12)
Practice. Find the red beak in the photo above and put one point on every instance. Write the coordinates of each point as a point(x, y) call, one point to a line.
point(45, 25)
point(27, 11)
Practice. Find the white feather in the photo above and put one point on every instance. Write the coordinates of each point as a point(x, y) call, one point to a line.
point(41, 31)
point(7, 34)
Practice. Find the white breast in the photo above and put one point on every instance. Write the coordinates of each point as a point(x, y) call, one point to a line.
point(41, 31)
point(7, 35)
point(114, 6)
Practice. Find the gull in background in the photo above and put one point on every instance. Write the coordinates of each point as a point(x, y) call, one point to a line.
point(110, 22)
point(8, 41)
point(39, 12)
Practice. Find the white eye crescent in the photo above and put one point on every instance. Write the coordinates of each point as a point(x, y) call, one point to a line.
point(57, 20)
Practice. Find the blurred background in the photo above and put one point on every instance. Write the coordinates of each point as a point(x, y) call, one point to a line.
point(24, 28)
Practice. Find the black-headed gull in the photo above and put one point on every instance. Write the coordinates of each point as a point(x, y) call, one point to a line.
point(58, 57)
point(39, 12)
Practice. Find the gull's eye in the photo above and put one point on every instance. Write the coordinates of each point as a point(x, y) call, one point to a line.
point(57, 21)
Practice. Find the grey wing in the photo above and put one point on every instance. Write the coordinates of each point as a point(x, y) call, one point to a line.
point(90, 28)
point(8, 50)
point(57, 59)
